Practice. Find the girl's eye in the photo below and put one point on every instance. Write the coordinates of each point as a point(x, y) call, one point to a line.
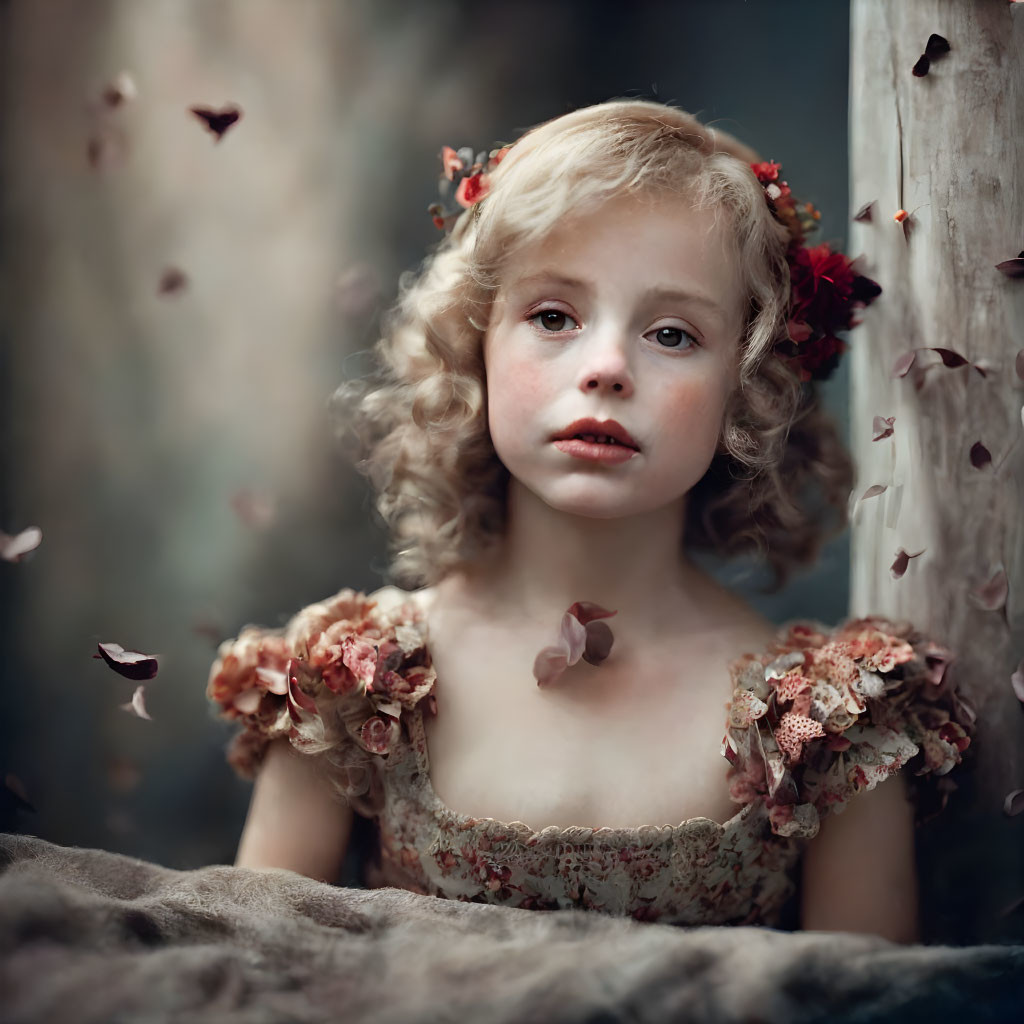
point(662, 331)
point(552, 320)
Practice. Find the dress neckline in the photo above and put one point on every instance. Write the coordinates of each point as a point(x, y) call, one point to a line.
point(613, 836)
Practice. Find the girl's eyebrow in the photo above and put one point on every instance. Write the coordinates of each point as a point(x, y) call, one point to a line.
point(656, 291)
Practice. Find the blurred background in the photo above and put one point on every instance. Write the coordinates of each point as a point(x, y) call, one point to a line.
point(177, 309)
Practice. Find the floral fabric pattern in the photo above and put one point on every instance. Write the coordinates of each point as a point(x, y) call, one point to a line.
point(820, 716)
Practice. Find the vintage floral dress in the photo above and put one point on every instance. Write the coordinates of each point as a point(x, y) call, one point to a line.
point(823, 714)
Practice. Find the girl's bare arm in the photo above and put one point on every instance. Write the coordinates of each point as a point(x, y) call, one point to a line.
point(859, 873)
point(295, 820)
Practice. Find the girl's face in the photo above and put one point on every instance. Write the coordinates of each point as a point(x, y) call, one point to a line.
point(632, 314)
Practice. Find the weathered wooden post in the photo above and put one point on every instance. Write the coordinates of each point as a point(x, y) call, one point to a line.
point(944, 141)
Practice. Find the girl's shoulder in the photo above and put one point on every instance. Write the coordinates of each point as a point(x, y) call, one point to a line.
point(823, 713)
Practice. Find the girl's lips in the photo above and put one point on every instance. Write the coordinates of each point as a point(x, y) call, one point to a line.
point(595, 451)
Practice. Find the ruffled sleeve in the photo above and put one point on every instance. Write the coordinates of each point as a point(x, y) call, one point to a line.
point(334, 681)
point(824, 714)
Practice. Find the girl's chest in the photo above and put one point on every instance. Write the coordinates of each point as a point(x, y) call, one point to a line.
point(619, 746)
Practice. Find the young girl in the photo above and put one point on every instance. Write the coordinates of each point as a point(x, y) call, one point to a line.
point(607, 365)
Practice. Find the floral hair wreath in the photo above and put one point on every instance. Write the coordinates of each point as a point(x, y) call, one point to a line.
point(825, 287)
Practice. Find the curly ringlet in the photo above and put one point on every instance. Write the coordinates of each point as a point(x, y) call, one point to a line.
point(420, 422)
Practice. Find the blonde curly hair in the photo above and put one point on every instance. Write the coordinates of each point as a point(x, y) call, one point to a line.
point(420, 423)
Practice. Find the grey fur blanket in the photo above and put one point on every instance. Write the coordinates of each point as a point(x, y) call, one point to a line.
point(88, 936)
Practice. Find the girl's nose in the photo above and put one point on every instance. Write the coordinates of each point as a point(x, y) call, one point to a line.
point(606, 368)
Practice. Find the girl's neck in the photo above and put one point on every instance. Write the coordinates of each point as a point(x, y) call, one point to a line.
point(634, 565)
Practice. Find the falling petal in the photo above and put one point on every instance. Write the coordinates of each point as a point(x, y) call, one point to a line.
point(899, 567)
point(980, 455)
point(865, 212)
point(902, 365)
point(217, 122)
point(172, 281)
point(587, 611)
point(137, 705)
point(882, 426)
point(991, 596)
point(900, 216)
point(14, 548)
point(123, 774)
point(357, 289)
point(1012, 268)
point(1017, 682)
point(936, 47)
point(572, 637)
point(920, 69)
point(599, 642)
point(951, 358)
point(130, 664)
point(121, 90)
point(106, 149)
point(255, 510)
point(1018, 364)
point(209, 630)
point(16, 788)
point(1014, 803)
point(873, 491)
point(549, 665)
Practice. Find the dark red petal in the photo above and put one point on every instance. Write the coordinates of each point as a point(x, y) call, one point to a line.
point(587, 611)
point(980, 455)
point(1012, 268)
point(936, 46)
point(217, 122)
point(172, 280)
point(951, 358)
point(130, 664)
point(865, 212)
point(599, 642)
point(920, 69)
point(1019, 364)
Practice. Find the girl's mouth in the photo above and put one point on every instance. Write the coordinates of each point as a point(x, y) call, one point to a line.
point(595, 451)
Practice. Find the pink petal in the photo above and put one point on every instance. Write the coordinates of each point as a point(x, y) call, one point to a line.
point(549, 665)
point(882, 427)
point(130, 664)
point(573, 635)
point(137, 705)
point(874, 490)
point(991, 595)
point(13, 548)
point(1017, 682)
point(899, 567)
point(902, 365)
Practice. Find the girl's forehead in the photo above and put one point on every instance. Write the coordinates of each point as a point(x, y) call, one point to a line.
point(670, 231)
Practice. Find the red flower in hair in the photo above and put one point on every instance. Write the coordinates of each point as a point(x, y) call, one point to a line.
point(472, 189)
